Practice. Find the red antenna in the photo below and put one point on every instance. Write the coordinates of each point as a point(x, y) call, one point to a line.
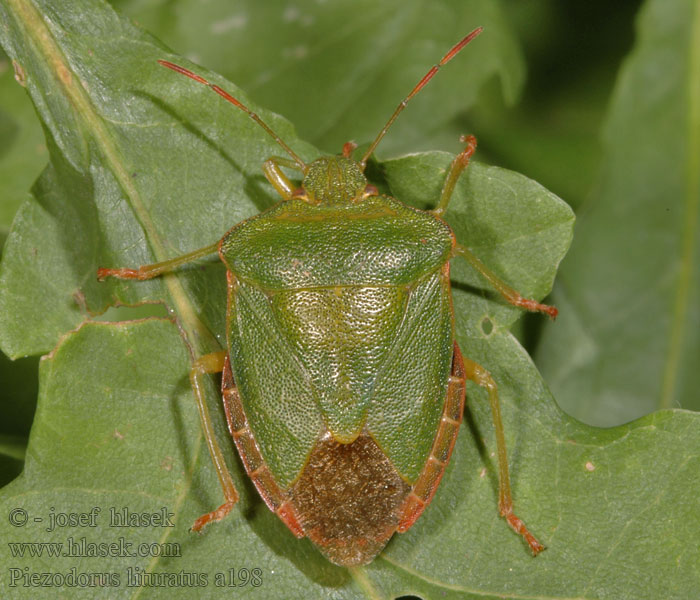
point(226, 96)
point(427, 77)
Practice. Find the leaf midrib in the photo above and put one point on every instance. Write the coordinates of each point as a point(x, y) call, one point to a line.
point(690, 224)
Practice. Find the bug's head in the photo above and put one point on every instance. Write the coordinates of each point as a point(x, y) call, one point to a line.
point(335, 180)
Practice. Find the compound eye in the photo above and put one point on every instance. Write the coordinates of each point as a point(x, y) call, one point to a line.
point(370, 190)
point(348, 149)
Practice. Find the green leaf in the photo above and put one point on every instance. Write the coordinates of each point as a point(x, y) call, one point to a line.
point(629, 290)
point(22, 149)
point(147, 165)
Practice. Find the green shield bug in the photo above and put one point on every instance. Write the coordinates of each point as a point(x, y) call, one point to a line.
point(343, 384)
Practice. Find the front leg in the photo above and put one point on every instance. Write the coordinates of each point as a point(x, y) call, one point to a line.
point(155, 269)
point(459, 163)
point(273, 172)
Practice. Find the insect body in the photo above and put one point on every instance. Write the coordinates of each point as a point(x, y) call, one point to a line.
point(343, 383)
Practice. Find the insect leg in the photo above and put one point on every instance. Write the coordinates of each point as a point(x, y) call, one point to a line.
point(511, 296)
point(460, 162)
point(150, 271)
point(482, 377)
point(212, 363)
point(274, 174)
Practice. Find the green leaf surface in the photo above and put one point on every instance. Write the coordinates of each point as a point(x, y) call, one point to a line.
point(147, 165)
point(22, 149)
point(629, 289)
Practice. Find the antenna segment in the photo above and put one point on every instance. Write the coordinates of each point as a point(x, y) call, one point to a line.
point(226, 96)
point(426, 78)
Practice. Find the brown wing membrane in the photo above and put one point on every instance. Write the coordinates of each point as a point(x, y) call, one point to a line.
point(349, 499)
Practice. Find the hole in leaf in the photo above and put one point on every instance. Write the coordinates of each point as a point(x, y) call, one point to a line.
point(486, 326)
point(131, 313)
